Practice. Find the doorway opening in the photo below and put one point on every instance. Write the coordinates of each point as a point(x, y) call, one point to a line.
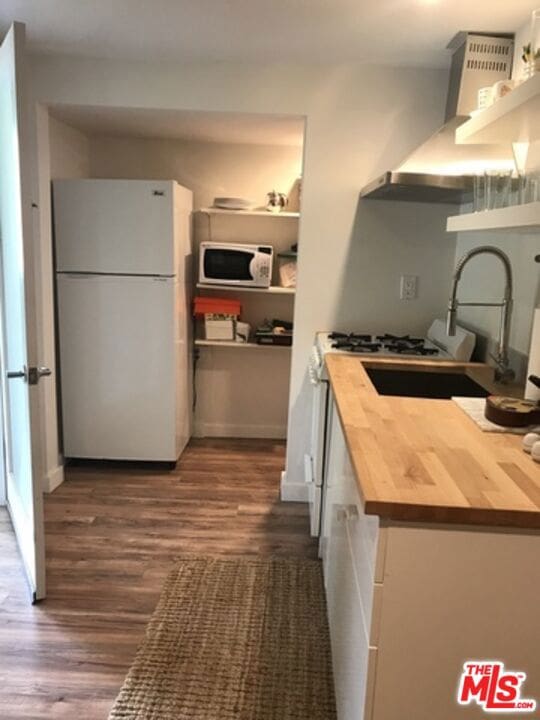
point(240, 386)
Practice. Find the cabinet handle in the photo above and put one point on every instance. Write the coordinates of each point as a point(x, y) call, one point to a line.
point(341, 514)
point(344, 513)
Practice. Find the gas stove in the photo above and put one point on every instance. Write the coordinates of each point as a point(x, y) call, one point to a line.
point(437, 345)
point(384, 345)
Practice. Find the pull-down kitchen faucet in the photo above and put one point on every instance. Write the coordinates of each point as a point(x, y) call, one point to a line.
point(503, 372)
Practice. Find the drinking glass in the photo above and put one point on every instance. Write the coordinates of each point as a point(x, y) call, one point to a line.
point(514, 197)
point(479, 192)
point(498, 184)
point(504, 189)
point(531, 187)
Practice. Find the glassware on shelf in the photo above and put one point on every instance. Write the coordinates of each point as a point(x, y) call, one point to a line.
point(494, 189)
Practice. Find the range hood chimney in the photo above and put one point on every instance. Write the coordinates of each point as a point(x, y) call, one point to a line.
point(434, 172)
point(478, 61)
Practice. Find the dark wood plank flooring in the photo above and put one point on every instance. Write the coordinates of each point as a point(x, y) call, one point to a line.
point(111, 535)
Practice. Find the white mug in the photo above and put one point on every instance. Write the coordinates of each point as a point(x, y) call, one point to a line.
point(501, 88)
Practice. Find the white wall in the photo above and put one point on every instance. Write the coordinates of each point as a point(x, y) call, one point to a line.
point(209, 169)
point(240, 392)
point(69, 151)
point(483, 279)
point(63, 153)
point(361, 120)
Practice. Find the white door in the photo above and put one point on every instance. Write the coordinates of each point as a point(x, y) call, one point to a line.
point(19, 376)
point(123, 227)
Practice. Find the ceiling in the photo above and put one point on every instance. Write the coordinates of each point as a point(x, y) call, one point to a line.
point(396, 32)
point(252, 129)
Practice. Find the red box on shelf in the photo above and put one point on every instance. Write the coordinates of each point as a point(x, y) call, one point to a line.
point(216, 306)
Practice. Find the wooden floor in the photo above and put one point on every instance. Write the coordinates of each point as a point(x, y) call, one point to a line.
point(111, 536)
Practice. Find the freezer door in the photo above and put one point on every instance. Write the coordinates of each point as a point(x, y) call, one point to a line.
point(114, 226)
point(119, 369)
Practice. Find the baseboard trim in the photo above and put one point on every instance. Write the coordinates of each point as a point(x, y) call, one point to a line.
point(293, 492)
point(271, 432)
point(53, 479)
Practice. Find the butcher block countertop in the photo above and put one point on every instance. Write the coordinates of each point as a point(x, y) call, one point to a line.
point(420, 460)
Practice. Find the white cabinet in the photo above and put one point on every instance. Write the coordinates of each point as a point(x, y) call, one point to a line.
point(409, 603)
point(350, 544)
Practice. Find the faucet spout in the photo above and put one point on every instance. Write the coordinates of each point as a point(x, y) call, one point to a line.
point(451, 319)
point(503, 370)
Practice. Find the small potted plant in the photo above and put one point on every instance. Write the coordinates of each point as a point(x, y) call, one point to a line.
point(276, 201)
point(531, 59)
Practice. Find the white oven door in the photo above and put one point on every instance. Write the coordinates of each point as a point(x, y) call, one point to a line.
point(314, 461)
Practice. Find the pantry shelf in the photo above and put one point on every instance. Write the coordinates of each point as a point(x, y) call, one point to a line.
point(272, 290)
point(249, 213)
point(239, 345)
point(520, 218)
point(513, 118)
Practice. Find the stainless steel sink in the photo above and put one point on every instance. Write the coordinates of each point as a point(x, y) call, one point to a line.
point(420, 384)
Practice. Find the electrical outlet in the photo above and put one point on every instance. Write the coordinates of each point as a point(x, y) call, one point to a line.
point(409, 287)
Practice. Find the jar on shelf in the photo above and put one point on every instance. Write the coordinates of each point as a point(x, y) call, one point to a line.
point(287, 264)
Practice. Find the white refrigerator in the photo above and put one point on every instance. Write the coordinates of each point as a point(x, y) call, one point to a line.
point(123, 255)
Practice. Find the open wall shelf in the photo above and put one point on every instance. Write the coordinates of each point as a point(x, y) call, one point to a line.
point(272, 290)
point(249, 213)
point(239, 345)
point(513, 118)
point(520, 218)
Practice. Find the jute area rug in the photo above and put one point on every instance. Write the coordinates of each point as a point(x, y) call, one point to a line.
point(242, 639)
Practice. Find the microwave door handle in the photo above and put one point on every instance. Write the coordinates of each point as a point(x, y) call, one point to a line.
point(253, 266)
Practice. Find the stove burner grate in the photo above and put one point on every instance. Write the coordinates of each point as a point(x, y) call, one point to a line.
point(350, 337)
point(358, 346)
point(414, 350)
point(389, 340)
point(387, 343)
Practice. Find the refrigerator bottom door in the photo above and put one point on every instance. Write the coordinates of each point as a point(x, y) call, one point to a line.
point(119, 344)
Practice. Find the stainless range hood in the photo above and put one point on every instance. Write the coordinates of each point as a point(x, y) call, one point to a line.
point(420, 187)
point(439, 171)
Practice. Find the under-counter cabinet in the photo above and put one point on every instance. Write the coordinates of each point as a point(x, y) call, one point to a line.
point(409, 603)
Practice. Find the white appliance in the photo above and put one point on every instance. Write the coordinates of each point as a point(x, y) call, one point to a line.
point(123, 252)
point(229, 264)
point(437, 345)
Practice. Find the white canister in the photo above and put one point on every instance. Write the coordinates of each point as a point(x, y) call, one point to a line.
point(485, 97)
point(531, 391)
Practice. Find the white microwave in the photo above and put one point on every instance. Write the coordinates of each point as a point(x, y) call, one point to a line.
point(228, 264)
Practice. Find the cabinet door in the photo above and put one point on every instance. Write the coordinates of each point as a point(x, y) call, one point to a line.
point(350, 643)
point(350, 646)
point(335, 454)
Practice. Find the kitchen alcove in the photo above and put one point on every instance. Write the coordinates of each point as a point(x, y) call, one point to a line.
point(240, 390)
